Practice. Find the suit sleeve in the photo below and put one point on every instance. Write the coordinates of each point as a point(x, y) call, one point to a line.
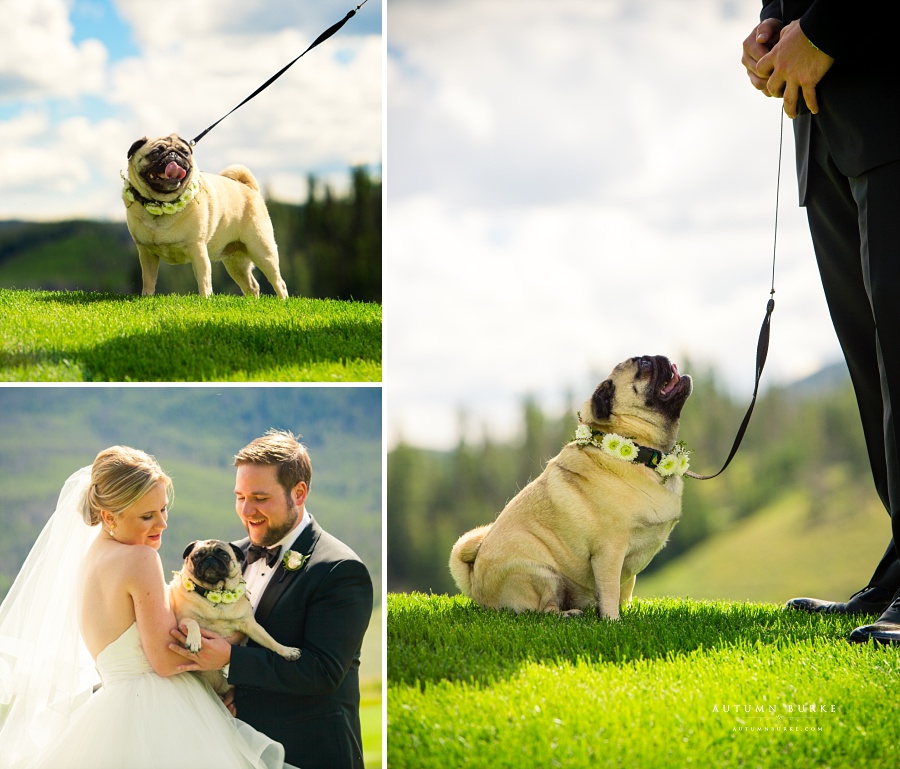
point(771, 10)
point(846, 36)
point(336, 620)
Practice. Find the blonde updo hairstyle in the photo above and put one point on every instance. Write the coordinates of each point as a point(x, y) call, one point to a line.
point(120, 476)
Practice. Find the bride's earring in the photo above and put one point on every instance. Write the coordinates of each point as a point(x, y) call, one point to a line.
point(111, 528)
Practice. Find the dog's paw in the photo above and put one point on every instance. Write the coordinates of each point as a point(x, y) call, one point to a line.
point(571, 613)
point(194, 642)
point(291, 654)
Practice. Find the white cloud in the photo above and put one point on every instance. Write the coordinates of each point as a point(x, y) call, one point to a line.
point(572, 184)
point(37, 56)
point(322, 116)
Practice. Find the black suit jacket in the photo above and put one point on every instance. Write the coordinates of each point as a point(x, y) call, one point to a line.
point(859, 97)
point(311, 705)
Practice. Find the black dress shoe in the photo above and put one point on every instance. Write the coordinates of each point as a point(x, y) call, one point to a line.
point(869, 600)
point(886, 629)
point(884, 633)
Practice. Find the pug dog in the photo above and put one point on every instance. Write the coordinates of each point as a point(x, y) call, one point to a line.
point(182, 216)
point(209, 592)
point(578, 534)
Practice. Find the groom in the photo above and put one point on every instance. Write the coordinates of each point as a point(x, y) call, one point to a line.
point(309, 590)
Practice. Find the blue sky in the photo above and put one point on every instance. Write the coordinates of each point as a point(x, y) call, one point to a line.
point(99, 19)
point(80, 80)
point(574, 183)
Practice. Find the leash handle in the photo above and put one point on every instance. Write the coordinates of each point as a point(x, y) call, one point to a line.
point(320, 39)
point(762, 345)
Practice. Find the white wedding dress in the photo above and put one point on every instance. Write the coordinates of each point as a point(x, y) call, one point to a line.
point(140, 720)
point(53, 716)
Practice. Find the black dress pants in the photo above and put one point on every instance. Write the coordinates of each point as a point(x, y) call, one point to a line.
point(855, 228)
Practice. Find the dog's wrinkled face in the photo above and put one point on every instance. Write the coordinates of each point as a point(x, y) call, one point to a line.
point(642, 399)
point(213, 563)
point(160, 168)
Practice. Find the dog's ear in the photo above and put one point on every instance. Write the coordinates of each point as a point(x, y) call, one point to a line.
point(238, 553)
point(136, 146)
point(187, 550)
point(601, 400)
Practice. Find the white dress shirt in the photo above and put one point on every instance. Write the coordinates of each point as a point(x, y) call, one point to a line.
point(259, 572)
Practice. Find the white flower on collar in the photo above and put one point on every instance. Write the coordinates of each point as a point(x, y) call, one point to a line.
point(294, 561)
point(619, 447)
point(214, 596)
point(676, 462)
point(170, 207)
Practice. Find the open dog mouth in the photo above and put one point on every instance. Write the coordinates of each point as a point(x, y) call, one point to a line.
point(666, 385)
point(167, 171)
point(673, 380)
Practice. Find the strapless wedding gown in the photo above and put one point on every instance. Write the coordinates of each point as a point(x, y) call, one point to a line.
point(140, 720)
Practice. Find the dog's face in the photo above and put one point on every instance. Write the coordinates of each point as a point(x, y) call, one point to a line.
point(160, 169)
point(212, 563)
point(642, 399)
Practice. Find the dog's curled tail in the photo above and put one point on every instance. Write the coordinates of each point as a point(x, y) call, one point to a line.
point(462, 558)
point(241, 174)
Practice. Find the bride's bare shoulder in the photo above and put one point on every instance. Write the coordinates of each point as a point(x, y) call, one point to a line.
point(126, 563)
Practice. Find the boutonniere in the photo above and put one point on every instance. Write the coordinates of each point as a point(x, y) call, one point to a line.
point(294, 561)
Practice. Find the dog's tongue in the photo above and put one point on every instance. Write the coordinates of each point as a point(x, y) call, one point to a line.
point(175, 171)
point(672, 382)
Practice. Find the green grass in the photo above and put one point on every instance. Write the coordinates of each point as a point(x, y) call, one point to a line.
point(59, 336)
point(674, 683)
point(371, 723)
point(794, 547)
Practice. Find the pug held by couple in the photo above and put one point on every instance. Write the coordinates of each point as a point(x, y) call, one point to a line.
point(92, 599)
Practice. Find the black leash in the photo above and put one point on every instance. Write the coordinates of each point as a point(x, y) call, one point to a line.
point(320, 39)
point(762, 346)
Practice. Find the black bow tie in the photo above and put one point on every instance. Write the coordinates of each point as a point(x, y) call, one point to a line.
point(255, 552)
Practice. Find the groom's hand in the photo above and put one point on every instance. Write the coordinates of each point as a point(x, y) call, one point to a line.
point(215, 653)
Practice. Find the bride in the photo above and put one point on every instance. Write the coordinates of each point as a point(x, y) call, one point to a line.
point(90, 607)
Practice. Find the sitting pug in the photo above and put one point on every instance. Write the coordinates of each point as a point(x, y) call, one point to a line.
point(182, 216)
point(209, 592)
point(602, 508)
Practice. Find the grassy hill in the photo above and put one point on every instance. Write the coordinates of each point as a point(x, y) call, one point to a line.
point(789, 548)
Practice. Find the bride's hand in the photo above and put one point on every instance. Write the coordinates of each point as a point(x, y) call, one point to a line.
point(214, 654)
point(228, 701)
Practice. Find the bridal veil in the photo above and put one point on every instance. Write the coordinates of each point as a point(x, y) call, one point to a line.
point(46, 671)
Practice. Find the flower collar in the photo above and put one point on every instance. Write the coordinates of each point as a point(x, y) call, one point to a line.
point(213, 596)
point(156, 208)
point(676, 462)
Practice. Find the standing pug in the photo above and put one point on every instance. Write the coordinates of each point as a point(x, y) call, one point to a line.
point(603, 507)
point(182, 216)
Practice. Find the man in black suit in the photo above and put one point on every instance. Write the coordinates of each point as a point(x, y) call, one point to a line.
point(836, 72)
point(310, 591)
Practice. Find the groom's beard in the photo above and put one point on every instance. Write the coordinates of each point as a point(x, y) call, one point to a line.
point(274, 535)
